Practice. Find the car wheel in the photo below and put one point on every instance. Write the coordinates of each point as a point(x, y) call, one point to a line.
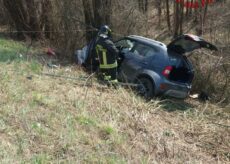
point(146, 88)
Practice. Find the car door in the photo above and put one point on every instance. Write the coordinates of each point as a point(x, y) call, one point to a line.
point(125, 46)
point(137, 59)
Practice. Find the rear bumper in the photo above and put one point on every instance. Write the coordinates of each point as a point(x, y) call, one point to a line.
point(176, 90)
point(176, 94)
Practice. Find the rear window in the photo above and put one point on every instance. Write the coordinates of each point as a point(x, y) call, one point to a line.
point(176, 61)
point(187, 45)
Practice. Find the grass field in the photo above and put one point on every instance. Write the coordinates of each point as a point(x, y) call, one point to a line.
point(51, 120)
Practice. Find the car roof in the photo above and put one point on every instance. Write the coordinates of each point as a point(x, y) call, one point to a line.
point(147, 41)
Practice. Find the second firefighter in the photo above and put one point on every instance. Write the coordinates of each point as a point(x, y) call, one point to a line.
point(107, 54)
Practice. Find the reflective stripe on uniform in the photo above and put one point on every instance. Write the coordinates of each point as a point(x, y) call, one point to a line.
point(104, 57)
point(108, 66)
point(104, 64)
point(104, 51)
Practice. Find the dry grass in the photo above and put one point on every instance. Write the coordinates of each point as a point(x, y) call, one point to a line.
point(48, 120)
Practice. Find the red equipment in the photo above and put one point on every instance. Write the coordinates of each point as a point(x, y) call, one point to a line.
point(50, 52)
point(194, 3)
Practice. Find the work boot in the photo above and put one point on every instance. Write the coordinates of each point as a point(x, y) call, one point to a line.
point(113, 83)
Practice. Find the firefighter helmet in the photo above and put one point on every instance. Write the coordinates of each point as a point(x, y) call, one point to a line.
point(105, 30)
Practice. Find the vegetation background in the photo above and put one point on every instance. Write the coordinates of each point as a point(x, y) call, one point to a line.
point(45, 120)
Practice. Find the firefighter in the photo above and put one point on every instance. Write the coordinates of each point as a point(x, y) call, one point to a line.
point(107, 54)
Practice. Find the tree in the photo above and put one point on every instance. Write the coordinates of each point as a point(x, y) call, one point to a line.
point(102, 12)
point(97, 13)
point(89, 19)
point(178, 18)
point(168, 15)
point(159, 10)
point(29, 17)
point(202, 15)
point(143, 5)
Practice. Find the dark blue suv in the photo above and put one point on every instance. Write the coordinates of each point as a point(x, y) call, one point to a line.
point(160, 69)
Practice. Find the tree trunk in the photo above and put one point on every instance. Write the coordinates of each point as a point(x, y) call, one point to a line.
point(159, 11)
point(108, 11)
point(201, 21)
point(181, 18)
point(176, 18)
point(146, 5)
point(205, 12)
point(88, 19)
point(47, 18)
point(102, 10)
point(143, 5)
point(168, 15)
point(97, 13)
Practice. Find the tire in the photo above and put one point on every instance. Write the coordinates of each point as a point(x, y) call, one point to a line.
point(146, 88)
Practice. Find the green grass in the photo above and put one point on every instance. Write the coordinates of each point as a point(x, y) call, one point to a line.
point(86, 121)
point(48, 120)
point(108, 130)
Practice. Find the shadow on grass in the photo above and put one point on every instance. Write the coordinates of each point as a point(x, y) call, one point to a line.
point(8, 57)
point(11, 50)
point(172, 105)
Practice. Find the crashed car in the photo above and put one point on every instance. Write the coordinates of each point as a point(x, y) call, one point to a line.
point(157, 68)
point(161, 69)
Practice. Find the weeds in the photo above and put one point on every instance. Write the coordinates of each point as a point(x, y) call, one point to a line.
point(50, 120)
point(86, 121)
point(35, 67)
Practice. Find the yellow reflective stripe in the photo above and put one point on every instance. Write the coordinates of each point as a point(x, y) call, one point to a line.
point(104, 65)
point(100, 48)
point(104, 58)
point(108, 66)
point(104, 55)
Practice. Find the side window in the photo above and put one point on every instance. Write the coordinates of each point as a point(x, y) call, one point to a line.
point(125, 45)
point(144, 50)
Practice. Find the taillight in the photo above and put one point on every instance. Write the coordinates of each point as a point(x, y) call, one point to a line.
point(167, 71)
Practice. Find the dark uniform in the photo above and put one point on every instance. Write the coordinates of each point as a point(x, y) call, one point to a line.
point(107, 54)
point(91, 63)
